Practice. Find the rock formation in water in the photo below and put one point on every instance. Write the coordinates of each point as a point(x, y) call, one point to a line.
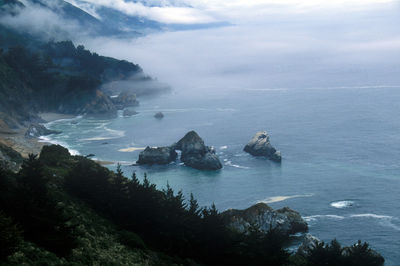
point(264, 218)
point(158, 155)
point(196, 154)
point(128, 112)
point(37, 130)
point(124, 100)
point(259, 145)
point(159, 115)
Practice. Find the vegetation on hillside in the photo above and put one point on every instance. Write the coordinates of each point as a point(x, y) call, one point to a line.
point(67, 209)
point(58, 77)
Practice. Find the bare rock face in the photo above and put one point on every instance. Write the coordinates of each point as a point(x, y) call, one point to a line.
point(309, 243)
point(37, 130)
point(259, 145)
point(101, 104)
point(158, 155)
point(196, 154)
point(124, 100)
point(9, 158)
point(264, 218)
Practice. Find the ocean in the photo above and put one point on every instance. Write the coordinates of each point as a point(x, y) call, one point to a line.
point(340, 148)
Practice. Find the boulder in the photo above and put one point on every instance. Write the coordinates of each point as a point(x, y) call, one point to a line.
point(159, 115)
point(128, 112)
point(125, 99)
point(37, 130)
point(158, 155)
point(264, 218)
point(259, 145)
point(196, 154)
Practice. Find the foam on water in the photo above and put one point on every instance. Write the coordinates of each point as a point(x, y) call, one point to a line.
point(371, 215)
point(342, 204)
point(58, 142)
point(112, 134)
point(229, 163)
point(326, 216)
point(282, 198)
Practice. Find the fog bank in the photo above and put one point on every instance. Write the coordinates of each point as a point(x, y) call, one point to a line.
point(320, 48)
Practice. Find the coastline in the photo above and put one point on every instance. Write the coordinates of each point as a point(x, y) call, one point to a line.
point(15, 138)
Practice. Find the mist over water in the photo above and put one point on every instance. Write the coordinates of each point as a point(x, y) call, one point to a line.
point(324, 83)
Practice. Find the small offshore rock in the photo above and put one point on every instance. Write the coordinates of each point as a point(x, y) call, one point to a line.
point(128, 112)
point(159, 115)
point(260, 145)
point(158, 155)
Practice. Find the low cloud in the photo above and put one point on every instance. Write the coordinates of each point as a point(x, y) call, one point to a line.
point(284, 51)
point(234, 11)
point(43, 22)
point(169, 14)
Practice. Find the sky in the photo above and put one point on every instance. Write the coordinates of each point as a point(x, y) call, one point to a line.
point(234, 11)
point(268, 44)
point(274, 45)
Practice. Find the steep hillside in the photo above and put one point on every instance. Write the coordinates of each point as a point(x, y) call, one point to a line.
point(67, 210)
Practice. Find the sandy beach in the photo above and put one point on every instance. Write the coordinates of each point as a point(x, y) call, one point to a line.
point(49, 116)
point(15, 138)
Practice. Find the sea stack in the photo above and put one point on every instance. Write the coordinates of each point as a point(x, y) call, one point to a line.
point(158, 155)
point(196, 154)
point(259, 145)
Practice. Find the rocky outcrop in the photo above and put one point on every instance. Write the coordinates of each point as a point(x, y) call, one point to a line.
point(264, 218)
point(159, 115)
point(259, 145)
point(124, 100)
point(196, 154)
point(128, 112)
point(37, 130)
point(309, 243)
point(9, 158)
point(158, 155)
point(100, 105)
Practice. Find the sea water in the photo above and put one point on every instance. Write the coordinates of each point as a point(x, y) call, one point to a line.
point(340, 148)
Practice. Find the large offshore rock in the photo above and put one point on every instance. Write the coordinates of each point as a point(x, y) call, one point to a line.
point(196, 154)
point(158, 155)
point(264, 218)
point(37, 130)
point(259, 145)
